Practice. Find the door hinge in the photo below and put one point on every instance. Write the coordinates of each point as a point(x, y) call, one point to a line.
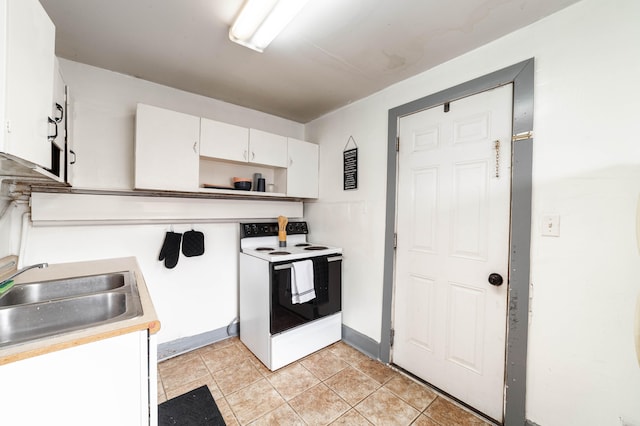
point(392, 335)
point(397, 143)
point(395, 240)
point(522, 136)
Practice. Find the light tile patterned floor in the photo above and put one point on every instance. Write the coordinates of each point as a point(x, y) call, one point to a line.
point(337, 385)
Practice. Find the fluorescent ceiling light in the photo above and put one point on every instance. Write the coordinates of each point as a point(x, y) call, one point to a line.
point(260, 21)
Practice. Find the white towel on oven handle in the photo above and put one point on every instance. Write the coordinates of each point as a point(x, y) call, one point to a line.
point(302, 288)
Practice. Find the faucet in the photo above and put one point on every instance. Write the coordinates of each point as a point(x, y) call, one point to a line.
point(25, 269)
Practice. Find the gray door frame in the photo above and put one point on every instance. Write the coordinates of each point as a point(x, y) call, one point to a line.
point(522, 77)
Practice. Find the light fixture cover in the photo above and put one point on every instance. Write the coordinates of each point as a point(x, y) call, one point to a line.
point(260, 21)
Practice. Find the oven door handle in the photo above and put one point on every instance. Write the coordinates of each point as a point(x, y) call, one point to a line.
point(289, 265)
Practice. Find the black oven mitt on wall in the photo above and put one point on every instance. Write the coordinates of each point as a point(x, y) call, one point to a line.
point(193, 243)
point(170, 251)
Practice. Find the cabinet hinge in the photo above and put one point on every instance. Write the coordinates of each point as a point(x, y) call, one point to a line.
point(397, 143)
point(395, 240)
point(392, 335)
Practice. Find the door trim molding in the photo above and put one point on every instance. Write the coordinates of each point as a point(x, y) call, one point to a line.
point(522, 77)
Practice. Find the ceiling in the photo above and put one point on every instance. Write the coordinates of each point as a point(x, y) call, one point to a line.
point(333, 53)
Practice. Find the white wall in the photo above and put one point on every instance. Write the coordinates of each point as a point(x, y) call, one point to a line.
point(200, 294)
point(582, 367)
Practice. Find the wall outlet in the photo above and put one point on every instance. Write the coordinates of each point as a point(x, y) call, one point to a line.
point(551, 225)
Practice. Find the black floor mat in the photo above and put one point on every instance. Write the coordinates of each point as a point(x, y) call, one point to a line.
point(194, 408)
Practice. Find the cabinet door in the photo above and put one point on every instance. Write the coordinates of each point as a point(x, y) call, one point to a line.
point(267, 148)
point(58, 114)
point(58, 105)
point(30, 44)
point(166, 152)
point(302, 171)
point(224, 141)
point(100, 383)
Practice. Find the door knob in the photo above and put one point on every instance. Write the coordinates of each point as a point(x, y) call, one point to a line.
point(495, 279)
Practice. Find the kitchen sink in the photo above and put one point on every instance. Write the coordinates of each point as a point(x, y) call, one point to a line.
point(68, 305)
point(36, 292)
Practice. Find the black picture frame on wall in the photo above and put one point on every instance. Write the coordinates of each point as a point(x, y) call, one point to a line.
point(350, 166)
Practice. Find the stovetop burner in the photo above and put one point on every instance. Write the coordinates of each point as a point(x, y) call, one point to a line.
point(261, 240)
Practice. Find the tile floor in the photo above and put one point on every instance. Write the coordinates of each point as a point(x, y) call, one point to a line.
point(337, 385)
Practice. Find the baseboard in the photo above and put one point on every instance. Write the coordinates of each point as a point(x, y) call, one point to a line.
point(177, 347)
point(364, 344)
point(167, 350)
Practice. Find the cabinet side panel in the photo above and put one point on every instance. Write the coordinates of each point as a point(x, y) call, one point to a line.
point(254, 306)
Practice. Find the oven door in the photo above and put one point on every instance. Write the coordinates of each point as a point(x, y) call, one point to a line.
point(328, 287)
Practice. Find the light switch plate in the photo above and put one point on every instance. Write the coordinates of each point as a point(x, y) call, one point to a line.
point(551, 225)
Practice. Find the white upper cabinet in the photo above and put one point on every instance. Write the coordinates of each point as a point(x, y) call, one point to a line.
point(267, 148)
point(223, 141)
point(302, 169)
point(166, 149)
point(27, 45)
point(180, 152)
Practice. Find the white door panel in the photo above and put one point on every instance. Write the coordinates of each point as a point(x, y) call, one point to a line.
point(453, 232)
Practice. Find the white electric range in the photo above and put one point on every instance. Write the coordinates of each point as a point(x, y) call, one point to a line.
point(276, 328)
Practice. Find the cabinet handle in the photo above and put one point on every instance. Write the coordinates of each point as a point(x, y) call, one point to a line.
point(55, 126)
point(61, 111)
point(72, 152)
point(253, 155)
point(290, 161)
point(244, 154)
point(195, 147)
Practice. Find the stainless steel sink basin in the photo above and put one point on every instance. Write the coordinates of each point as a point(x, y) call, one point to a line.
point(57, 289)
point(50, 308)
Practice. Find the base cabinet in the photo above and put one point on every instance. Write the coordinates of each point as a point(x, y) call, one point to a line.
point(108, 382)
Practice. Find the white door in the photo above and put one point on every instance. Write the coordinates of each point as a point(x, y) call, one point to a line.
point(453, 212)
